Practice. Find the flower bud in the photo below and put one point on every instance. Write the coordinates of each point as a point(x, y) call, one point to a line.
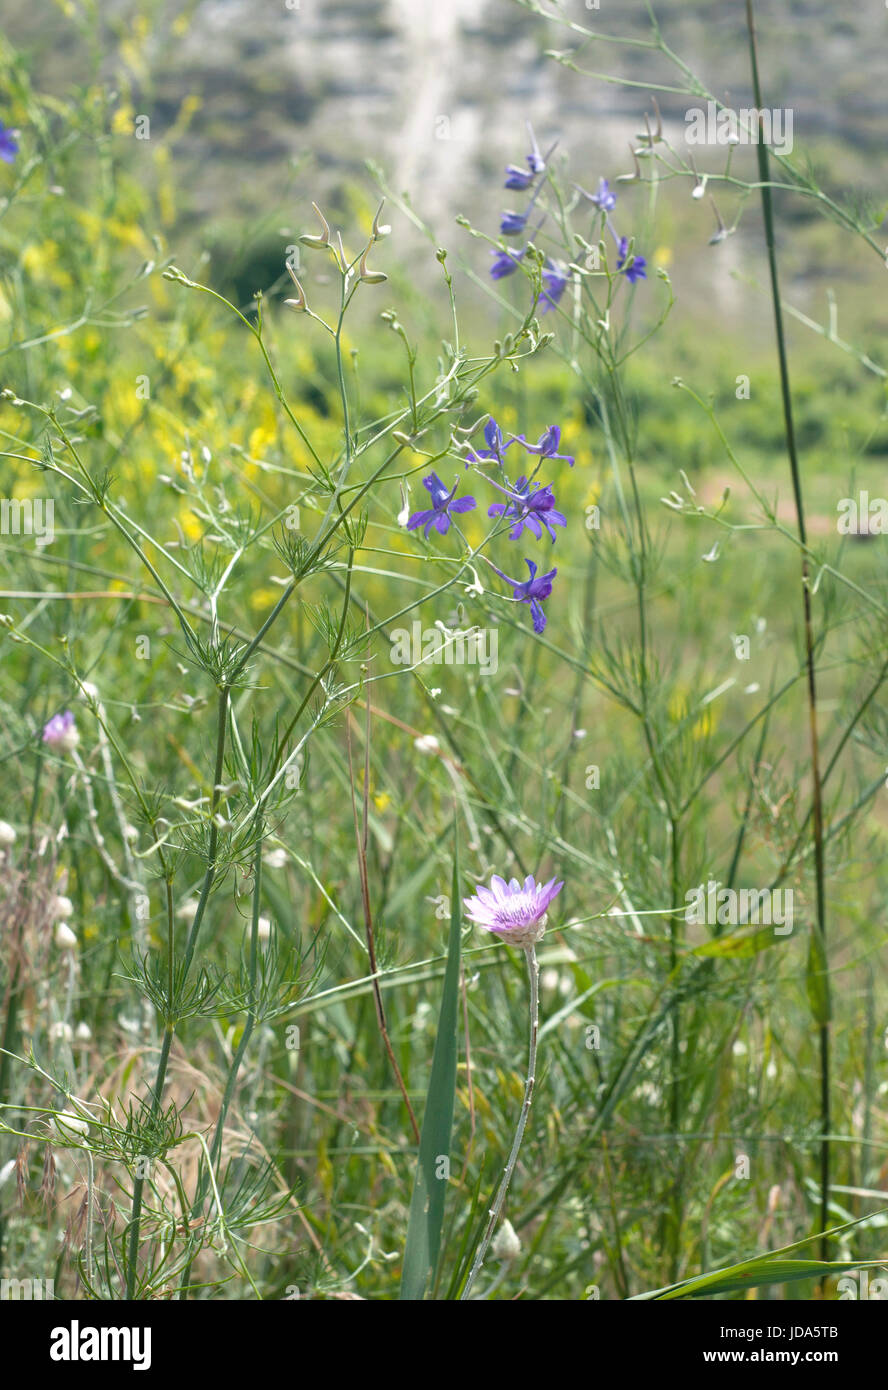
point(427, 743)
point(65, 938)
point(370, 277)
point(68, 1123)
point(377, 230)
point(318, 243)
point(300, 304)
point(506, 1245)
point(61, 732)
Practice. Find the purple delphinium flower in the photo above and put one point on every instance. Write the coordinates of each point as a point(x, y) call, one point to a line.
point(513, 223)
point(519, 178)
point(532, 591)
point(556, 280)
point(535, 161)
point(605, 198)
point(515, 913)
point(8, 144)
point(495, 446)
point(547, 445)
point(438, 515)
point(61, 731)
point(636, 271)
point(533, 506)
point(505, 263)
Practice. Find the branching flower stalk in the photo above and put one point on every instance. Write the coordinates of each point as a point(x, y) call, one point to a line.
point(170, 1022)
point(594, 325)
point(205, 1176)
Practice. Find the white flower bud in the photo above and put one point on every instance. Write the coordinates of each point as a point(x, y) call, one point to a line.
point(69, 1124)
point(65, 938)
point(380, 231)
point(299, 305)
point(506, 1245)
point(318, 243)
point(370, 277)
point(427, 743)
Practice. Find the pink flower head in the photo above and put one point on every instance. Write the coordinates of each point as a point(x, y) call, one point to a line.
point(516, 914)
point(61, 732)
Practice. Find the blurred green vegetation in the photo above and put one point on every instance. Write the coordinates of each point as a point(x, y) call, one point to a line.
point(165, 378)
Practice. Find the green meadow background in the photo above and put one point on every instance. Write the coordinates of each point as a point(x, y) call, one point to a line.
point(675, 1127)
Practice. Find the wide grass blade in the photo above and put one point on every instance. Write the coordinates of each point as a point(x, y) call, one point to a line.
point(770, 1268)
point(740, 945)
point(432, 1168)
point(755, 1274)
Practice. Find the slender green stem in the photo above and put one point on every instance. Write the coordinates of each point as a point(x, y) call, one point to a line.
point(817, 786)
point(495, 1211)
point(252, 1011)
point(328, 666)
point(673, 815)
